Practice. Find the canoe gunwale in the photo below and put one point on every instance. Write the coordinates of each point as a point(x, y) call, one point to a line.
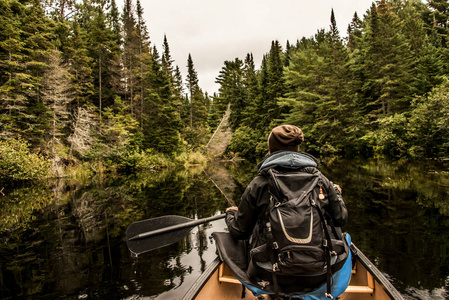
point(202, 280)
point(377, 274)
point(389, 289)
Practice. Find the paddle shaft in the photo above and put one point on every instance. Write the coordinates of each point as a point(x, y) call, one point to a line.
point(176, 227)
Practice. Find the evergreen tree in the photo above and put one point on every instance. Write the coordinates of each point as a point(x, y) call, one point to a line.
point(387, 62)
point(162, 123)
point(192, 86)
point(178, 83)
point(263, 121)
point(103, 49)
point(131, 51)
point(440, 18)
point(142, 59)
point(197, 133)
point(80, 65)
point(354, 32)
point(335, 108)
point(250, 83)
point(114, 18)
point(231, 91)
point(12, 63)
point(304, 79)
point(167, 61)
point(427, 60)
point(275, 84)
point(37, 36)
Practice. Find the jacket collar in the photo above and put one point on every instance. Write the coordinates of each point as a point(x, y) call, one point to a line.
point(288, 159)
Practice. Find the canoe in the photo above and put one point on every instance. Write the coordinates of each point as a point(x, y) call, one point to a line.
point(367, 282)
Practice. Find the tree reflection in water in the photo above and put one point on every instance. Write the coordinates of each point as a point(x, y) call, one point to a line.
point(67, 238)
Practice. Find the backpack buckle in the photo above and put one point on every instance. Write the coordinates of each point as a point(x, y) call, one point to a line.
point(276, 267)
point(324, 243)
point(275, 245)
point(263, 283)
point(284, 255)
point(329, 296)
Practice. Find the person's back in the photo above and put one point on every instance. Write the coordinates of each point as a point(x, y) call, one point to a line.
point(278, 213)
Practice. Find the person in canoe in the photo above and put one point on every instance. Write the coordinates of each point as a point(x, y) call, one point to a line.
point(291, 215)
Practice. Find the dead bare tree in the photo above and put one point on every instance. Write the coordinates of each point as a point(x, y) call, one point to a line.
point(82, 137)
point(56, 95)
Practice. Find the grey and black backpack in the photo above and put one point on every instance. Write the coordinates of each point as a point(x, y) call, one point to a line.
point(303, 247)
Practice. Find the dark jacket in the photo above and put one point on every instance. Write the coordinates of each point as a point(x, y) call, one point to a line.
point(255, 199)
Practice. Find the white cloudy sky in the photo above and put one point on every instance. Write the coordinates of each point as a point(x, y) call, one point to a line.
point(213, 31)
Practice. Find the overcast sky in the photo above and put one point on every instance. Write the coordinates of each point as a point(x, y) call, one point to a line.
point(213, 31)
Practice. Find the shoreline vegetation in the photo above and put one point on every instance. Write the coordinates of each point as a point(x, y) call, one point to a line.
point(84, 91)
point(19, 163)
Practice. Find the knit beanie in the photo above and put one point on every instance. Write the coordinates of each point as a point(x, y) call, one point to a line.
point(285, 137)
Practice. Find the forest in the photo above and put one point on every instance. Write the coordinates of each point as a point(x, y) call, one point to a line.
point(81, 84)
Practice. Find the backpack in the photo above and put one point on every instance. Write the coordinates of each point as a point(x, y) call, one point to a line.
point(301, 243)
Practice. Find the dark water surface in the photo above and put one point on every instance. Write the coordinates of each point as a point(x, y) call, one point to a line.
point(66, 239)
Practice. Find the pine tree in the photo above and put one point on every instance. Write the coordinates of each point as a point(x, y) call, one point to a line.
point(427, 60)
point(263, 121)
point(387, 62)
point(182, 100)
point(104, 48)
point(167, 61)
point(250, 83)
point(304, 78)
point(114, 18)
point(192, 86)
point(354, 32)
point(12, 62)
point(131, 52)
point(80, 65)
point(231, 91)
point(37, 33)
point(275, 88)
point(440, 18)
point(162, 123)
point(142, 62)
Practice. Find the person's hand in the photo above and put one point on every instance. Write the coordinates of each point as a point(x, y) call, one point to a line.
point(232, 208)
point(338, 187)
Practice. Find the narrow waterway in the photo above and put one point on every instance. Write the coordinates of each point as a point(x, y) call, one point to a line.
point(66, 239)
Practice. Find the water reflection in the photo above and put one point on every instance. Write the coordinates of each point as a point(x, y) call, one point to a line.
point(67, 238)
point(399, 218)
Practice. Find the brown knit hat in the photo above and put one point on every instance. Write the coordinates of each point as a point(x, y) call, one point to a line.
point(285, 137)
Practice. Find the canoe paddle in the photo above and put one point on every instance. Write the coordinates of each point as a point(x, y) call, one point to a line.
point(151, 234)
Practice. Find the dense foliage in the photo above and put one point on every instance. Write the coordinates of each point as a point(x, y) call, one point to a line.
point(81, 81)
point(18, 163)
point(381, 90)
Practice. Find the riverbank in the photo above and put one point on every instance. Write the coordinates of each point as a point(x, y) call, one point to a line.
point(18, 162)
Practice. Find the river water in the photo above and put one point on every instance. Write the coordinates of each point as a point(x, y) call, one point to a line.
point(65, 239)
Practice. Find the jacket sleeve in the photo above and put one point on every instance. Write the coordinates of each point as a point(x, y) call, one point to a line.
point(241, 222)
point(336, 207)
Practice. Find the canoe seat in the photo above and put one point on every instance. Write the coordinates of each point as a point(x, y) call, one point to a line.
point(361, 289)
point(225, 275)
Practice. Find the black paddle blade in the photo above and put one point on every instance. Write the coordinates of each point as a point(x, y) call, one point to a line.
point(140, 246)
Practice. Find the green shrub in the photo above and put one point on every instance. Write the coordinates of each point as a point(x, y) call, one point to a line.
point(133, 160)
point(429, 124)
point(18, 163)
point(244, 141)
